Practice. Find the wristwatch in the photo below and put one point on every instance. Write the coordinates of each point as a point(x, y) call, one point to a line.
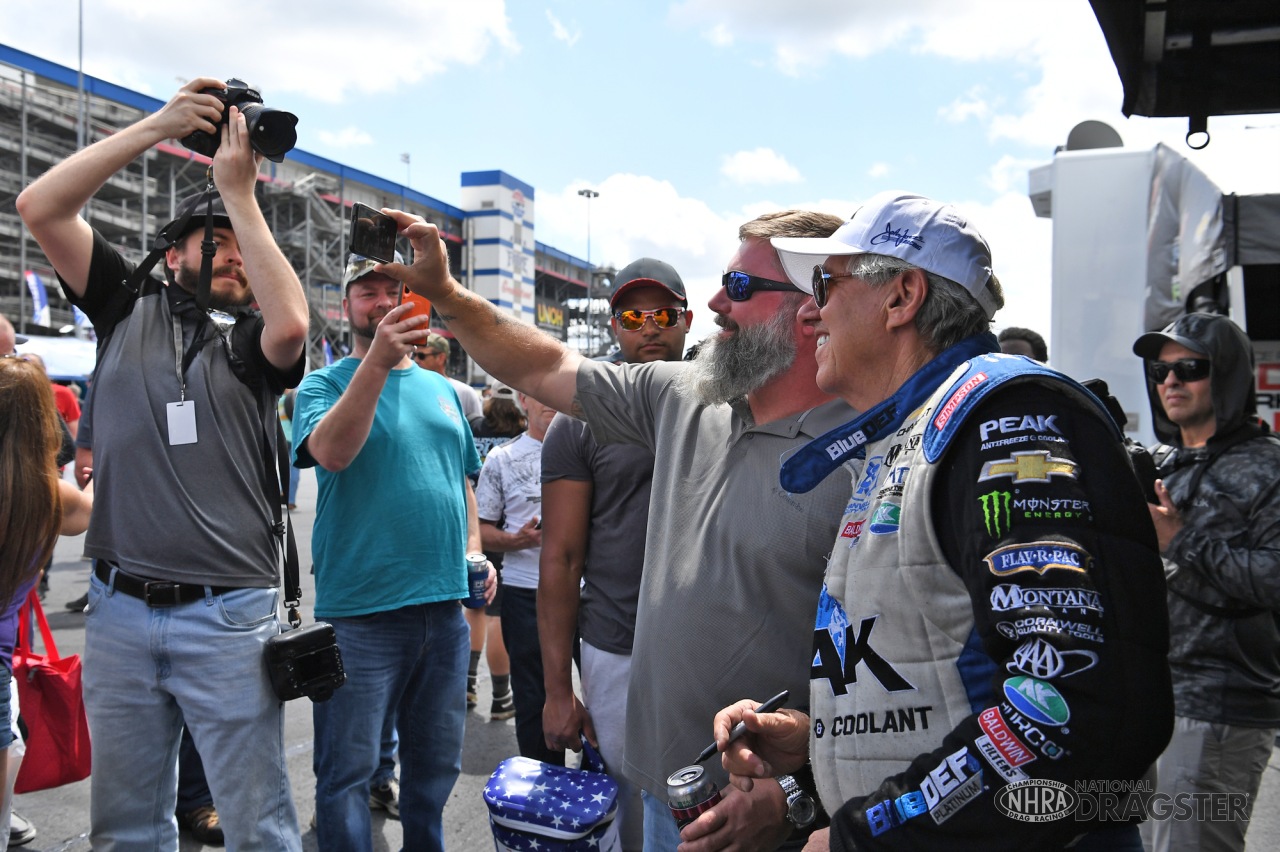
point(800, 807)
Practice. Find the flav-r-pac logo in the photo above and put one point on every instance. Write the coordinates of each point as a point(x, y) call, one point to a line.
point(996, 512)
point(1028, 466)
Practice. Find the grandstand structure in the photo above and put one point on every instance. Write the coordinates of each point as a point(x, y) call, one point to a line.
point(45, 110)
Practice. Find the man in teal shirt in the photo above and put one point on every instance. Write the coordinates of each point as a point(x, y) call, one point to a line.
point(395, 519)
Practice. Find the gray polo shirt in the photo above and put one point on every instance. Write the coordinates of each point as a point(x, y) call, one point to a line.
point(733, 563)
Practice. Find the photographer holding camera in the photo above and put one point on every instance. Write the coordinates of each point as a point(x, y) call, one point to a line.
point(185, 585)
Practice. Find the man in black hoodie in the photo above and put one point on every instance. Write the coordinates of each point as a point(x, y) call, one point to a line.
point(1218, 524)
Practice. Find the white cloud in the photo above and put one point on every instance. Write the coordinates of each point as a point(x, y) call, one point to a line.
point(762, 166)
point(805, 35)
point(282, 48)
point(561, 32)
point(878, 170)
point(974, 104)
point(720, 36)
point(639, 216)
point(347, 137)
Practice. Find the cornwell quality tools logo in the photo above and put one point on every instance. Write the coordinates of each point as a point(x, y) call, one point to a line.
point(1045, 800)
point(1028, 466)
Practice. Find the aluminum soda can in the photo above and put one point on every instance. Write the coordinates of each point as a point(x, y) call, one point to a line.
point(691, 792)
point(477, 574)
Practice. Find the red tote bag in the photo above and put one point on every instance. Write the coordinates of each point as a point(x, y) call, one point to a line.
point(52, 705)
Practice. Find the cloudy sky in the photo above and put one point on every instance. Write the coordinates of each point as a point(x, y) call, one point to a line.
point(687, 117)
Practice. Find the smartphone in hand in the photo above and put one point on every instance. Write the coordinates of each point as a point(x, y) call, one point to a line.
point(373, 233)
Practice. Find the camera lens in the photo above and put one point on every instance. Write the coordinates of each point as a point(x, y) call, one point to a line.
point(272, 132)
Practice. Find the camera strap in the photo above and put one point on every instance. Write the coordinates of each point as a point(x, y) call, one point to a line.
point(168, 237)
point(284, 525)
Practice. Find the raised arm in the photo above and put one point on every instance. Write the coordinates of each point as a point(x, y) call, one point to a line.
point(340, 435)
point(517, 354)
point(275, 285)
point(51, 206)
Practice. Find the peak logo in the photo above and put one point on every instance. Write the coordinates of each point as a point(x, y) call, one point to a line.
point(1027, 423)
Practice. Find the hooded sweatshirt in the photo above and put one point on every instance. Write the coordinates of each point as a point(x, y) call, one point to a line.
point(1223, 567)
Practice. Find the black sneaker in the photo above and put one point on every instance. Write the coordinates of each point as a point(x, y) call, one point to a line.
point(503, 707)
point(386, 797)
point(79, 603)
point(472, 698)
point(203, 825)
point(21, 831)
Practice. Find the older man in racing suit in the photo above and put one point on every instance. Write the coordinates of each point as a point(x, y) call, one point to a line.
point(991, 631)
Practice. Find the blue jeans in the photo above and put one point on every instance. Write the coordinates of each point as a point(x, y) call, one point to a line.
point(387, 751)
point(193, 789)
point(413, 659)
point(661, 834)
point(146, 670)
point(520, 635)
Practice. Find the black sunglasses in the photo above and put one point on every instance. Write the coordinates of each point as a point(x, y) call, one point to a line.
point(1186, 369)
point(739, 286)
point(822, 285)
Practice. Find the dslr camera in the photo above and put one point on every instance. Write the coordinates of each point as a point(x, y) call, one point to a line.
point(272, 132)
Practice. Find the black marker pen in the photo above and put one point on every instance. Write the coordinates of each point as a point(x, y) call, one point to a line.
point(741, 728)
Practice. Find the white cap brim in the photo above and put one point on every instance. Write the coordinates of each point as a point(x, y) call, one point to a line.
point(799, 255)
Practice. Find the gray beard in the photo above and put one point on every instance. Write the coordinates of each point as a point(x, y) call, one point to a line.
point(729, 368)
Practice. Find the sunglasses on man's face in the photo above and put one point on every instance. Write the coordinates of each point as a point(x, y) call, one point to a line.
point(633, 320)
point(822, 285)
point(422, 356)
point(1186, 369)
point(739, 286)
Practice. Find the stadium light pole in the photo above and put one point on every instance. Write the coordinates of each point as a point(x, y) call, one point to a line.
point(81, 118)
point(589, 194)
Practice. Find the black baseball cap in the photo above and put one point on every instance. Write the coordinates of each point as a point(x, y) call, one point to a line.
point(1148, 346)
point(647, 272)
point(197, 205)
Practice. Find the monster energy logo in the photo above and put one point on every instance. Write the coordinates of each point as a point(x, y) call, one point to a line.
point(995, 512)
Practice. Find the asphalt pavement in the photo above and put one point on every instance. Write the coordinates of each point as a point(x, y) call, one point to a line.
point(61, 815)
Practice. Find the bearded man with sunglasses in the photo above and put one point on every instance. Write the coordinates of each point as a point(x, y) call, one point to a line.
point(733, 563)
point(1218, 523)
point(991, 612)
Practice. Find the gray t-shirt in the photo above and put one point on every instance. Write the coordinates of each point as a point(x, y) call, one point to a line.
point(620, 477)
point(194, 512)
point(469, 399)
point(733, 564)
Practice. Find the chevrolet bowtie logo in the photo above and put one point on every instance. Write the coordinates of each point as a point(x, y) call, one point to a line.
point(1032, 466)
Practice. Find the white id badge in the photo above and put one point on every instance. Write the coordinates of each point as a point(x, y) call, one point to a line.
point(182, 422)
